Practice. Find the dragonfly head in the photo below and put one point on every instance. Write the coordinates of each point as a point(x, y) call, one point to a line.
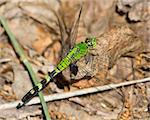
point(91, 42)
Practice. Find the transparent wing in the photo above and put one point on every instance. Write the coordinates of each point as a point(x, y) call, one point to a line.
point(68, 38)
point(73, 36)
point(74, 29)
point(63, 32)
point(85, 68)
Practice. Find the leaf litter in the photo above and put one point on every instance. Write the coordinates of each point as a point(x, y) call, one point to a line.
point(35, 26)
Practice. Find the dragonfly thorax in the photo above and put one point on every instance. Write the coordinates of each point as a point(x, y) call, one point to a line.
point(91, 42)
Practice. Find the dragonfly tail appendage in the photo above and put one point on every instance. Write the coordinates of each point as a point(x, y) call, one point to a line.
point(33, 92)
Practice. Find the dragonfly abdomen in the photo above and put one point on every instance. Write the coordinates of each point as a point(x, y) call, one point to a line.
point(63, 64)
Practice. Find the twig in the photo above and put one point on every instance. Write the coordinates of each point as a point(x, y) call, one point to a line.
point(23, 58)
point(59, 96)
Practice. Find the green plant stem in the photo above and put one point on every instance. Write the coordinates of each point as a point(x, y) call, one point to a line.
point(24, 59)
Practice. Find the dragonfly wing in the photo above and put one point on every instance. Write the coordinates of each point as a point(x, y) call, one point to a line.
point(86, 67)
point(64, 33)
point(70, 41)
point(74, 29)
point(73, 36)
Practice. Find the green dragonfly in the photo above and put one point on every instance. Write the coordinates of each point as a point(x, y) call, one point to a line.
point(78, 51)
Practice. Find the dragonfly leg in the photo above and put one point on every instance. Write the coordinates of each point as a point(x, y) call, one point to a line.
point(74, 69)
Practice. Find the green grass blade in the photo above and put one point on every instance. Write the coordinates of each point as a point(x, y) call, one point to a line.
point(24, 59)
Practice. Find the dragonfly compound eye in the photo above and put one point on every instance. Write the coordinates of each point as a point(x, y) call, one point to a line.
point(91, 42)
point(87, 40)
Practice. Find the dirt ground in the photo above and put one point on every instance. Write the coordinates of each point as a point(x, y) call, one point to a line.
point(44, 29)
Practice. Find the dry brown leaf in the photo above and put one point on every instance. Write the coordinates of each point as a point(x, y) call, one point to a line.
point(22, 83)
point(42, 12)
point(84, 83)
point(22, 114)
point(43, 40)
point(2, 45)
point(52, 53)
point(7, 93)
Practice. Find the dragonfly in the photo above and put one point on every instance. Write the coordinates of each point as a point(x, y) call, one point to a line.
point(77, 52)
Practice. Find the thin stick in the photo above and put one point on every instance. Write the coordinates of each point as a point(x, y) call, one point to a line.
point(23, 58)
point(59, 96)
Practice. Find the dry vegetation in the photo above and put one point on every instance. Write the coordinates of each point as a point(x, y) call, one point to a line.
point(122, 28)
